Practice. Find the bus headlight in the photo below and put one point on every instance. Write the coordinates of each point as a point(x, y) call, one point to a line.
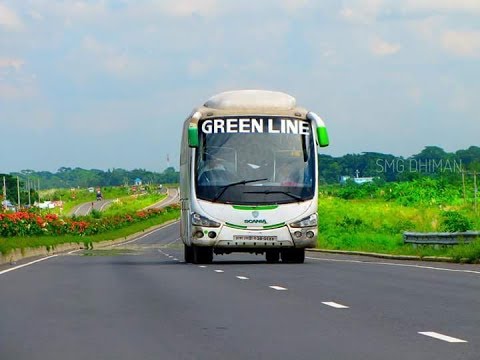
point(305, 222)
point(200, 220)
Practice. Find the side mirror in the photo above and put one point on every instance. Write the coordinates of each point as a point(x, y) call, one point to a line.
point(193, 136)
point(322, 134)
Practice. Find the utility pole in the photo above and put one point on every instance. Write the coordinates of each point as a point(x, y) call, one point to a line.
point(464, 190)
point(18, 193)
point(4, 189)
point(28, 187)
point(475, 190)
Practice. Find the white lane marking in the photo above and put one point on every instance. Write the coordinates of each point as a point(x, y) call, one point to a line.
point(335, 305)
point(442, 337)
point(27, 264)
point(147, 234)
point(165, 201)
point(73, 251)
point(171, 242)
point(242, 277)
point(275, 287)
point(218, 271)
point(202, 266)
point(394, 264)
point(105, 204)
point(175, 259)
point(88, 205)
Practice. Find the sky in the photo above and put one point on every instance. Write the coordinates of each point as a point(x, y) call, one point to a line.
point(108, 83)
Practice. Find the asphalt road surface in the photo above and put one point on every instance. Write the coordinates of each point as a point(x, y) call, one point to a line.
point(141, 301)
point(85, 208)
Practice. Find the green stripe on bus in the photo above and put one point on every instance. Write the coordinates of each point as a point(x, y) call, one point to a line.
point(235, 226)
point(274, 226)
point(259, 207)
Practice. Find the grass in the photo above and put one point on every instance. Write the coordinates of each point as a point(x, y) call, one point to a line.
point(373, 225)
point(79, 196)
point(9, 244)
point(126, 201)
point(132, 203)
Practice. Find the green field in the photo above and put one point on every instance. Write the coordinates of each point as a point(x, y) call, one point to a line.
point(373, 218)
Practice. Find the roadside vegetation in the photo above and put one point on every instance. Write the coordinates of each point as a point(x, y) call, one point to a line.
point(372, 217)
point(75, 197)
point(28, 229)
point(132, 203)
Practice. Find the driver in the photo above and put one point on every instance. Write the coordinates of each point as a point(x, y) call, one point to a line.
point(214, 172)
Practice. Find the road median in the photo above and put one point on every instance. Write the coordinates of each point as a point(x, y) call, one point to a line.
point(40, 251)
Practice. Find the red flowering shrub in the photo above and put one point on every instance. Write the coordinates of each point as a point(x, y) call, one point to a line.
point(32, 224)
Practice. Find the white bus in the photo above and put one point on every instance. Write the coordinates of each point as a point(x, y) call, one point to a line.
point(249, 177)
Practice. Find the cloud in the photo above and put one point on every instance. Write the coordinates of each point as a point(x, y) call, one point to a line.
point(362, 11)
point(294, 5)
point(14, 91)
point(9, 19)
point(447, 6)
point(380, 47)
point(462, 43)
point(110, 59)
point(16, 64)
point(192, 7)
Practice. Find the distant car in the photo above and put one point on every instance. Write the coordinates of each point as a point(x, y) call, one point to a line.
point(91, 189)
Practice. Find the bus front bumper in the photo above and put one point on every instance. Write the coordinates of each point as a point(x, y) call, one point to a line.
point(283, 237)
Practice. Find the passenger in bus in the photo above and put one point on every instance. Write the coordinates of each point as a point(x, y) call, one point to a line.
point(287, 175)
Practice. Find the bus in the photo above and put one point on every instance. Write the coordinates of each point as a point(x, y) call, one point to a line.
point(249, 177)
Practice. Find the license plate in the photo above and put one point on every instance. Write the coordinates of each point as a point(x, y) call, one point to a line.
point(254, 238)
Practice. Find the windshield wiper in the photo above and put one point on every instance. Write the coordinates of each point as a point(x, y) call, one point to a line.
point(296, 197)
point(243, 182)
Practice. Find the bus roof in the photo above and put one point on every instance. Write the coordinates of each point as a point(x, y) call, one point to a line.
point(252, 100)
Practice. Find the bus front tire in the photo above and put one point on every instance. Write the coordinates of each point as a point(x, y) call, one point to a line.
point(272, 256)
point(188, 253)
point(293, 256)
point(202, 254)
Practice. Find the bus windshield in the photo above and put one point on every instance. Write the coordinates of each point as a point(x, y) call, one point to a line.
point(255, 160)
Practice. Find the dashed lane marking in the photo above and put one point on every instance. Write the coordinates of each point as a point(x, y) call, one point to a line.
point(242, 277)
point(442, 337)
point(218, 271)
point(335, 305)
point(279, 288)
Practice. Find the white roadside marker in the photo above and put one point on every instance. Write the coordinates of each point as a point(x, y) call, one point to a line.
point(335, 305)
point(442, 337)
point(242, 277)
point(275, 287)
point(218, 271)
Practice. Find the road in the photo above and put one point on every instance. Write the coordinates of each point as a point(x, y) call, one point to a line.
point(85, 208)
point(173, 195)
point(140, 301)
